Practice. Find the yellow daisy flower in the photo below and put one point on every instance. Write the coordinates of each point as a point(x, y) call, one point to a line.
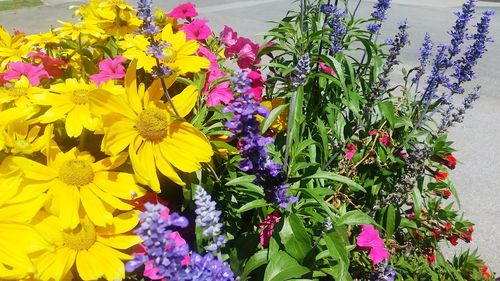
point(280, 123)
point(13, 48)
point(43, 39)
point(20, 138)
point(154, 140)
point(135, 47)
point(84, 29)
point(180, 55)
point(17, 238)
point(20, 92)
point(94, 250)
point(75, 182)
point(70, 99)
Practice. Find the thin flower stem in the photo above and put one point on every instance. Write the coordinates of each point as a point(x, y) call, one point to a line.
point(165, 91)
point(291, 123)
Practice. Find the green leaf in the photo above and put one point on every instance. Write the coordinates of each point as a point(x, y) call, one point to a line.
point(387, 110)
point(254, 262)
point(283, 267)
point(295, 238)
point(338, 178)
point(253, 205)
point(355, 217)
point(390, 220)
point(240, 180)
point(272, 117)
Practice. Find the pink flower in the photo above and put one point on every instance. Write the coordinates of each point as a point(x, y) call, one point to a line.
point(351, 150)
point(267, 226)
point(385, 141)
point(221, 94)
point(257, 86)
point(50, 64)
point(184, 11)
point(228, 36)
point(372, 132)
point(109, 69)
point(33, 72)
point(369, 239)
point(245, 51)
point(197, 29)
point(326, 69)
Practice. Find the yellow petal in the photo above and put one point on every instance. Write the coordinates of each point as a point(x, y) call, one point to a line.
point(113, 268)
point(131, 87)
point(122, 223)
point(110, 162)
point(144, 165)
point(56, 112)
point(192, 64)
point(166, 168)
point(55, 265)
point(22, 212)
point(69, 205)
point(185, 147)
point(188, 48)
point(88, 267)
point(109, 199)
point(34, 170)
point(103, 102)
point(120, 241)
point(185, 101)
point(94, 207)
point(121, 185)
point(74, 122)
point(118, 136)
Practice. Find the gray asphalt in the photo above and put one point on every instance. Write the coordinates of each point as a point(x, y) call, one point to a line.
point(478, 172)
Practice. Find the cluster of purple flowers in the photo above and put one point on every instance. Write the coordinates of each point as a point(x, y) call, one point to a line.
point(208, 268)
point(165, 257)
point(301, 70)
point(335, 17)
point(397, 44)
point(425, 56)
point(148, 28)
point(459, 30)
point(253, 146)
point(379, 15)
point(383, 272)
point(161, 250)
point(207, 217)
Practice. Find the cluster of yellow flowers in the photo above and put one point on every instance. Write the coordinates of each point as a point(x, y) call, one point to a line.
point(63, 201)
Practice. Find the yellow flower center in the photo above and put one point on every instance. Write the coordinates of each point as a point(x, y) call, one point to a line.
point(80, 96)
point(76, 172)
point(152, 124)
point(22, 145)
point(170, 54)
point(80, 238)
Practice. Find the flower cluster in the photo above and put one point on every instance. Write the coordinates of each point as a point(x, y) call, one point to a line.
point(208, 220)
point(379, 15)
point(253, 146)
point(369, 239)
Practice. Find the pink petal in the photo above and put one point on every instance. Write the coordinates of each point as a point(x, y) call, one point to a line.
point(228, 36)
point(184, 11)
point(197, 30)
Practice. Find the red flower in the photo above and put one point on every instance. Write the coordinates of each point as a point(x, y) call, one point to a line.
point(436, 233)
point(467, 237)
point(450, 161)
point(431, 258)
point(447, 227)
point(453, 240)
point(471, 229)
point(446, 193)
point(385, 141)
point(485, 273)
point(440, 175)
point(267, 226)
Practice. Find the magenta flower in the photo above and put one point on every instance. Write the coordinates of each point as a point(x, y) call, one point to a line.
point(197, 29)
point(245, 51)
point(267, 226)
point(184, 11)
point(257, 86)
point(109, 69)
point(369, 239)
point(351, 150)
point(33, 72)
point(228, 36)
point(385, 141)
point(326, 69)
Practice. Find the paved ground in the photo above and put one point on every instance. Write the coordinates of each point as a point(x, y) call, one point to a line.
point(478, 174)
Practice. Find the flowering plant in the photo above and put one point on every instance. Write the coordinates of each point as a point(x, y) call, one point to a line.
point(140, 144)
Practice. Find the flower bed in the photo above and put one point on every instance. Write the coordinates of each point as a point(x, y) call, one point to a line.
point(138, 144)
